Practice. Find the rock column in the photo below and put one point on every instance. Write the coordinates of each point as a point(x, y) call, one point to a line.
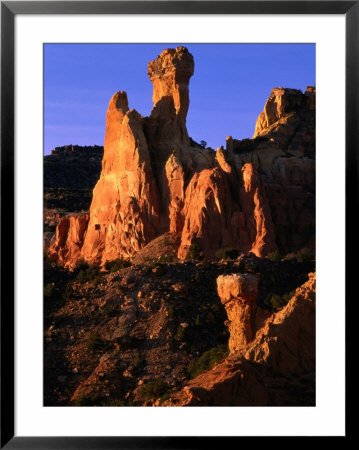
point(238, 293)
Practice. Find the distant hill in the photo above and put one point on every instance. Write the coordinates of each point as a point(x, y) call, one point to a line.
point(70, 174)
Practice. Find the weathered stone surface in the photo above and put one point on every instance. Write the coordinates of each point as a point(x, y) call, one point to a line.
point(255, 196)
point(238, 293)
point(266, 366)
point(207, 213)
point(124, 210)
point(227, 384)
point(286, 342)
point(170, 73)
point(70, 232)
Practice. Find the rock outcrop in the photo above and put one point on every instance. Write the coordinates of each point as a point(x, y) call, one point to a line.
point(68, 240)
point(238, 293)
point(270, 362)
point(255, 196)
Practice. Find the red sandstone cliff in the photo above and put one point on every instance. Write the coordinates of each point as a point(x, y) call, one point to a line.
point(253, 196)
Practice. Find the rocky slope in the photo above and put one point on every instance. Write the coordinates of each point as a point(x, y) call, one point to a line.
point(137, 335)
point(255, 196)
point(272, 356)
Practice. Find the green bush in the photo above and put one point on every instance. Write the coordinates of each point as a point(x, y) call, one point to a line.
point(304, 255)
point(275, 301)
point(49, 290)
point(250, 267)
point(88, 274)
point(154, 389)
point(117, 264)
point(198, 321)
point(208, 360)
point(87, 400)
point(194, 252)
point(289, 256)
point(227, 253)
point(94, 342)
point(180, 333)
point(199, 278)
point(171, 312)
point(166, 259)
point(68, 291)
point(275, 256)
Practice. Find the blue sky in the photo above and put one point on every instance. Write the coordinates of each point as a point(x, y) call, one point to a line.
point(230, 85)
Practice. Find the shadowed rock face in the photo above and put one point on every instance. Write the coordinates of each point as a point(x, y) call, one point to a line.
point(253, 196)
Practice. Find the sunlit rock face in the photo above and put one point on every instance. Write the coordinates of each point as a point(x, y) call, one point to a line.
point(238, 293)
point(255, 195)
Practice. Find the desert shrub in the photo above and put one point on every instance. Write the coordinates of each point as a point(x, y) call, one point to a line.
point(194, 252)
point(116, 403)
point(171, 311)
point(109, 311)
point(68, 291)
point(49, 290)
point(275, 256)
point(137, 361)
point(89, 274)
point(154, 389)
point(289, 257)
point(199, 277)
point(117, 264)
point(227, 253)
point(180, 333)
point(94, 342)
point(208, 360)
point(203, 143)
point(250, 267)
point(87, 400)
point(198, 321)
point(276, 301)
point(81, 265)
point(304, 255)
point(164, 397)
point(165, 259)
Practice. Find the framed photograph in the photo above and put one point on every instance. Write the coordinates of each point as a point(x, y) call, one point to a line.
point(175, 183)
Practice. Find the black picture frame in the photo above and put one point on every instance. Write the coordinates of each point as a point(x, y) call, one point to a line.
point(9, 9)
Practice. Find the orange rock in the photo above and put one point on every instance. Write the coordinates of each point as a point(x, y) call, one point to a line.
point(280, 102)
point(252, 196)
point(170, 73)
point(238, 293)
point(69, 237)
point(124, 210)
point(286, 342)
point(270, 366)
point(207, 213)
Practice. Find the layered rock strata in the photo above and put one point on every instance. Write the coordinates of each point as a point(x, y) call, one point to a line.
point(254, 196)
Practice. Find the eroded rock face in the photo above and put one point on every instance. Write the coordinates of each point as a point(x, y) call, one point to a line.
point(227, 384)
point(125, 210)
point(281, 102)
point(170, 73)
point(238, 293)
point(286, 342)
point(69, 237)
point(255, 196)
point(267, 363)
